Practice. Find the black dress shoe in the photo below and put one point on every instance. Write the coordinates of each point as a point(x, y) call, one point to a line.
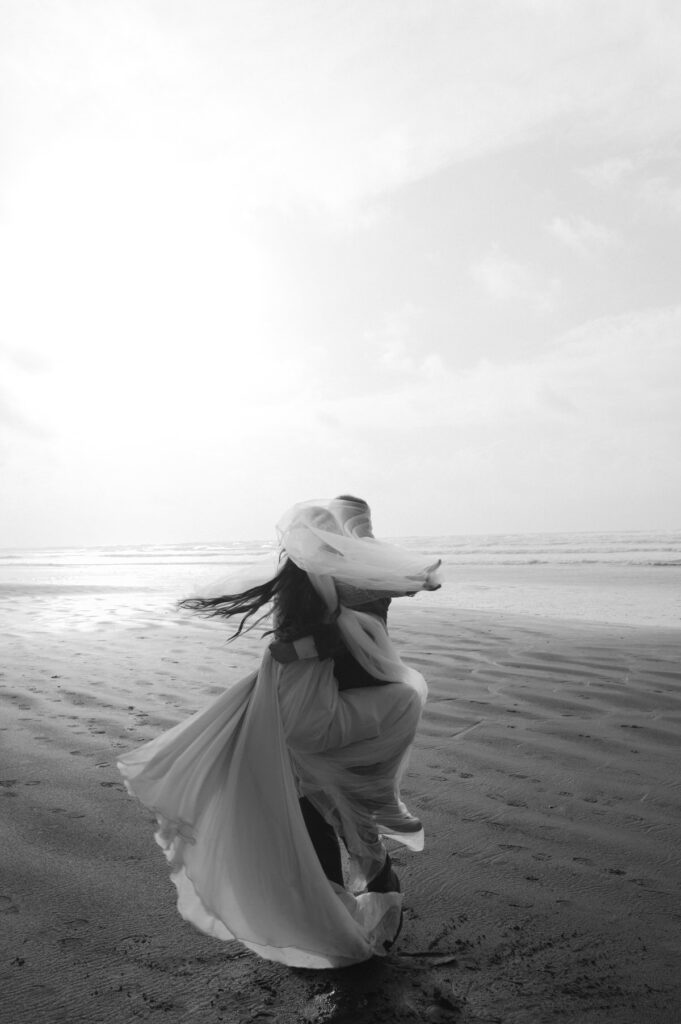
point(386, 880)
point(388, 943)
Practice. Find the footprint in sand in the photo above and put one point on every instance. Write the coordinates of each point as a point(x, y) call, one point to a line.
point(7, 907)
point(131, 943)
point(75, 925)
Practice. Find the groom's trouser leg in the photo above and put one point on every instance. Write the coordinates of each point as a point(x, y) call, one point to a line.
point(324, 840)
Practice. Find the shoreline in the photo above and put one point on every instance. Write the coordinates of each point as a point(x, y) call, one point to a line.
point(619, 593)
point(545, 772)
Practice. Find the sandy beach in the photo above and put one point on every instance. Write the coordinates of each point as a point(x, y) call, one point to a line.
point(546, 772)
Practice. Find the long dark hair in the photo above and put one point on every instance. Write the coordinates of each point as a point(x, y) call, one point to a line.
point(295, 604)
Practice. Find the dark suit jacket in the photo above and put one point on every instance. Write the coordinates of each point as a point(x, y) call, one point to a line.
point(329, 643)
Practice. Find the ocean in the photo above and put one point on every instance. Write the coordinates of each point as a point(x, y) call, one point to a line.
point(632, 578)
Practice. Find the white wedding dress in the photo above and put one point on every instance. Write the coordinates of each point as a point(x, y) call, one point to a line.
point(225, 786)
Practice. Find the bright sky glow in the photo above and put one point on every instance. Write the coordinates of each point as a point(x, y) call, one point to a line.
point(253, 253)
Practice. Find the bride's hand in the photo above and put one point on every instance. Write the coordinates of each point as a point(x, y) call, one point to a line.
point(432, 579)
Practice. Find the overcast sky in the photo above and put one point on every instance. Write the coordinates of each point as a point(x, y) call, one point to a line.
point(255, 251)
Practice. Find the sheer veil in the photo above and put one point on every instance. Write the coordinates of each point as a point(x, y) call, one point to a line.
point(332, 540)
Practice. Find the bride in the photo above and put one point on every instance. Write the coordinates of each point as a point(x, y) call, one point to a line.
point(252, 793)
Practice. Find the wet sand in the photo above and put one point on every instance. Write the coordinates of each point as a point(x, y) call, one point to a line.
point(546, 772)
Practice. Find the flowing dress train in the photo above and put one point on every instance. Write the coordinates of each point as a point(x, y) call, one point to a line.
point(225, 787)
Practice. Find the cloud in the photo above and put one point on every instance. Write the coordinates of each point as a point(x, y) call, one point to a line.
point(650, 179)
point(398, 349)
point(20, 372)
point(579, 436)
point(10, 417)
point(581, 235)
point(506, 280)
point(611, 378)
point(612, 171)
point(170, 178)
point(292, 104)
point(661, 192)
